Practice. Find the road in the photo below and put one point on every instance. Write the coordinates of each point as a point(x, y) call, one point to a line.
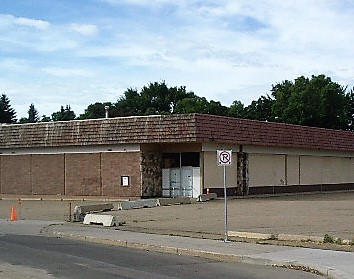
point(32, 255)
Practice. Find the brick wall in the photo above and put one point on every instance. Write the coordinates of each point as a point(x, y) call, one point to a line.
point(47, 175)
point(71, 174)
point(16, 174)
point(83, 174)
point(113, 167)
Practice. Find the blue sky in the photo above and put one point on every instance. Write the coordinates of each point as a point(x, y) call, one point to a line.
point(78, 52)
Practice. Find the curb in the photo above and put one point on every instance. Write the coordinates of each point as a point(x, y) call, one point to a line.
point(251, 235)
point(319, 270)
point(287, 237)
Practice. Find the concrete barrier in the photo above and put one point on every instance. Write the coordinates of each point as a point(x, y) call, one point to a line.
point(138, 204)
point(82, 210)
point(100, 219)
point(172, 201)
point(207, 197)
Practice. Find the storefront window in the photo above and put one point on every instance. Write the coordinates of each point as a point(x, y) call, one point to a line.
point(184, 159)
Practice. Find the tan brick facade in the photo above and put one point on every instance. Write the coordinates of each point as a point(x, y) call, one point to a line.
point(72, 174)
point(82, 174)
point(116, 165)
point(16, 174)
point(47, 174)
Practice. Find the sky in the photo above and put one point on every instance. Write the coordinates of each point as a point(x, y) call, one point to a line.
point(55, 53)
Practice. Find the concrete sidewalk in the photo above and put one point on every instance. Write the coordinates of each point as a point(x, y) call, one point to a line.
point(333, 264)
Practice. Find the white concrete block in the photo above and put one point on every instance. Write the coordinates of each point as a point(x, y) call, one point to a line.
point(105, 220)
point(138, 204)
point(80, 211)
point(173, 201)
point(207, 197)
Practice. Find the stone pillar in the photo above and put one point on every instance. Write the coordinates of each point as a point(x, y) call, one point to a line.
point(242, 174)
point(151, 174)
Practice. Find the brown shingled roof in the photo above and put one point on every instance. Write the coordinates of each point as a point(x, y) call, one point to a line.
point(141, 129)
point(170, 129)
point(261, 133)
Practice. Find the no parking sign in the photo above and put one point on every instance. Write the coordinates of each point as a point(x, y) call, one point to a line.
point(224, 157)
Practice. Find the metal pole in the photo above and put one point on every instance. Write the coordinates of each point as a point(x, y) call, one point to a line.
point(70, 219)
point(225, 197)
point(180, 175)
point(106, 109)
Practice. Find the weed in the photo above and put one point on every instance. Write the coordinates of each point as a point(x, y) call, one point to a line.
point(328, 239)
point(338, 241)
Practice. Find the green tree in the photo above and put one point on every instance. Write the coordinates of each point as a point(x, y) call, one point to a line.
point(156, 98)
point(45, 118)
point(23, 120)
point(237, 109)
point(65, 114)
point(216, 108)
point(129, 104)
point(260, 109)
point(7, 113)
point(350, 109)
point(176, 94)
point(316, 102)
point(196, 104)
point(32, 115)
point(192, 105)
point(94, 111)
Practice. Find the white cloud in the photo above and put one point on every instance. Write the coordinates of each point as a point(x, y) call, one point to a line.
point(140, 2)
point(8, 20)
point(14, 65)
point(38, 24)
point(85, 29)
point(68, 72)
point(37, 36)
point(221, 49)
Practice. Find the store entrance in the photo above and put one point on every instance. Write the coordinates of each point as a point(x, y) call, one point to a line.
point(181, 174)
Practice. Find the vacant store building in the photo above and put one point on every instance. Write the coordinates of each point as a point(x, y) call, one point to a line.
point(171, 155)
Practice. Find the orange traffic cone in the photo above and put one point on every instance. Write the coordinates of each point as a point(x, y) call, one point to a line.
point(13, 216)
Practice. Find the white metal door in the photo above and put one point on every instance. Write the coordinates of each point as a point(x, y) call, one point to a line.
point(196, 182)
point(175, 182)
point(187, 181)
point(172, 178)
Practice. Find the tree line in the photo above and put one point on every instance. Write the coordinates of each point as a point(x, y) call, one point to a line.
point(315, 101)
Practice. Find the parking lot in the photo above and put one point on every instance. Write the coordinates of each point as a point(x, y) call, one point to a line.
point(307, 214)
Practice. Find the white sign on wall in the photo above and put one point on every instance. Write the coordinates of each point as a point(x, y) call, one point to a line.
point(224, 157)
point(124, 180)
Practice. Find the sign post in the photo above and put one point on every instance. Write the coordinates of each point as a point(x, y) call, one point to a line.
point(224, 159)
